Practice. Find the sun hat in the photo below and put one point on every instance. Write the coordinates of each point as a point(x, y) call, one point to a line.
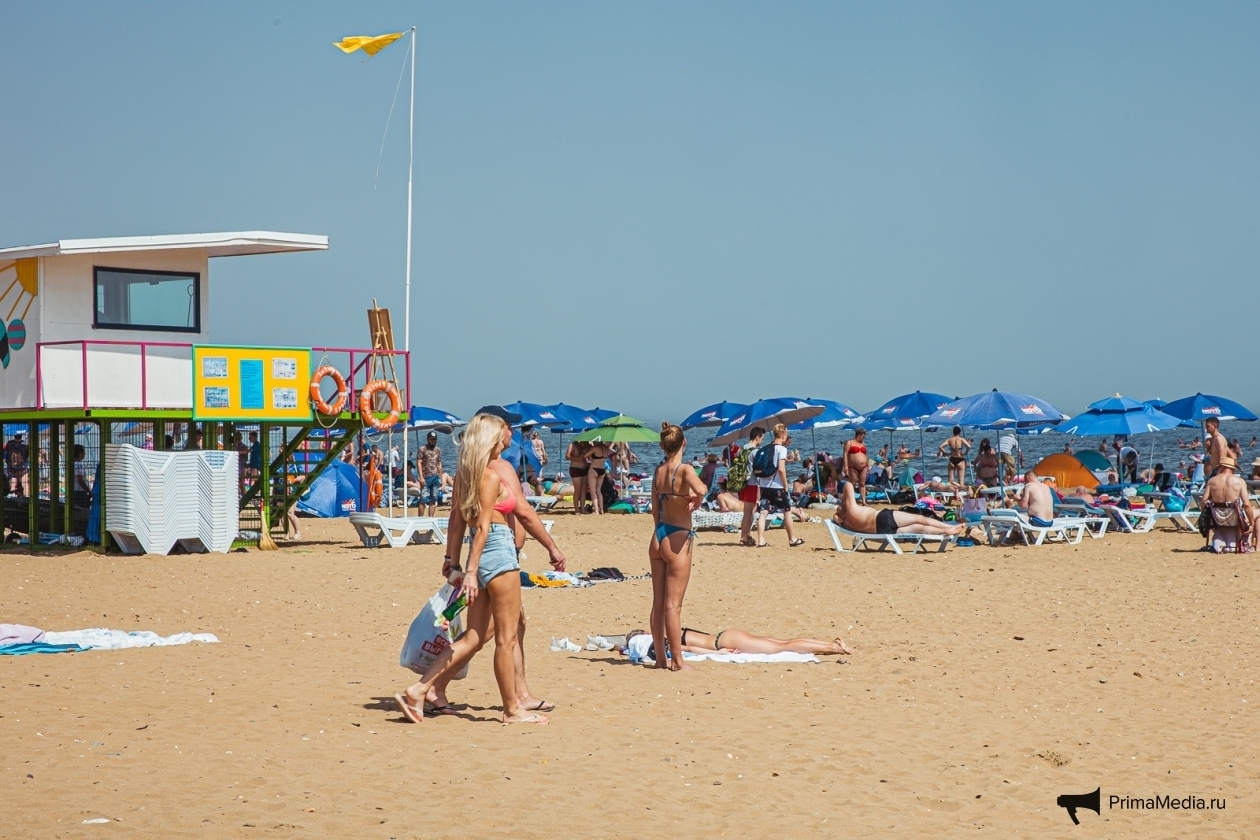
point(1229, 463)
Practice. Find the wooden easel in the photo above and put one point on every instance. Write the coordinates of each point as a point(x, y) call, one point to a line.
point(382, 330)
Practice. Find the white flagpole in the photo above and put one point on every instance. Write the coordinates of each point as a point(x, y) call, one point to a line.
point(411, 158)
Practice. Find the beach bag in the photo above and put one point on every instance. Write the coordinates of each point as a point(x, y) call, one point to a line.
point(1176, 501)
point(426, 639)
point(763, 465)
point(737, 476)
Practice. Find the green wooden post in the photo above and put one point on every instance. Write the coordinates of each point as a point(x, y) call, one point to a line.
point(68, 507)
point(106, 433)
point(32, 483)
point(159, 435)
point(54, 475)
point(264, 478)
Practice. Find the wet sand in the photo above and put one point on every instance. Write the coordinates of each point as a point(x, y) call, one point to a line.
point(986, 683)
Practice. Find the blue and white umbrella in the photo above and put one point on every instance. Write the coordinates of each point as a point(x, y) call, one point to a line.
point(765, 413)
point(906, 412)
point(533, 414)
point(1203, 407)
point(1136, 421)
point(580, 419)
point(712, 415)
point(425, 418)
point(994, 410)
point(834, 414)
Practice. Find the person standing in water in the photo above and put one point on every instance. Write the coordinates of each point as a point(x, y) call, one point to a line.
point(676, 492)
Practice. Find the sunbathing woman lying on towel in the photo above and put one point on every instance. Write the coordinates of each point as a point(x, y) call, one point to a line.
point(867, 520)
point(734, 640)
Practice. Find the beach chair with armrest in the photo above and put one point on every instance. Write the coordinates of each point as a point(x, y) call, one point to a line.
point(395, 532)
point(1002, 524)
point(893, 541)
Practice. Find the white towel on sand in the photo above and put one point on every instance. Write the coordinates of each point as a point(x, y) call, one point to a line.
point(99, 637)
point(745, 658)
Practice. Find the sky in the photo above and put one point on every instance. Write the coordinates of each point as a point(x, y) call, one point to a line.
point(654, 206)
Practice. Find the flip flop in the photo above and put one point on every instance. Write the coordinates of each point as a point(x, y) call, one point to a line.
point(748, 543)
point(408, 710)
point(794, 543)
point(543, 706)
point(540, 719)
point(431, 710)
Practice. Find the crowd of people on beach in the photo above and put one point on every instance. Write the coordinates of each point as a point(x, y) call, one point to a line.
point(489, 502)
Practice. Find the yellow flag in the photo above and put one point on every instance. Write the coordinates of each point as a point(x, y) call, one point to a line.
point(370, 44)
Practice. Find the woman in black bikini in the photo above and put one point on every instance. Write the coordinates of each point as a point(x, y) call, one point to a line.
point(735, 640)
point(578, 468)
point(597, 461)
point(676, 492)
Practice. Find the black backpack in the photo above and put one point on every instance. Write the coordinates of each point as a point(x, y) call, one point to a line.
point(763, 465)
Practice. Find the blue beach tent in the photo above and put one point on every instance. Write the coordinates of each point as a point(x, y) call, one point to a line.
point(335, 493)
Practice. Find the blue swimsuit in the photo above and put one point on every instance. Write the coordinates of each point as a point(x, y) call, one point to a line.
point(663, 529)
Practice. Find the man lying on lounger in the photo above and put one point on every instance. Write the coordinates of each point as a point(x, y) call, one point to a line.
point(867, 520)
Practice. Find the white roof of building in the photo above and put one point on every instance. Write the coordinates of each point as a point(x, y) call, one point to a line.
point(215, 244)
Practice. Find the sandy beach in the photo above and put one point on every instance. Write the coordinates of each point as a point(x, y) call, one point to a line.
point(986, 683)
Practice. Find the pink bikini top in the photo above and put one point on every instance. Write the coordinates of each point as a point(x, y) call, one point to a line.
point(507, 505)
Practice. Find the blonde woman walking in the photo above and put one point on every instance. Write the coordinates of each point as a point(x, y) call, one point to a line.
point(676, 492)
point(492, 574)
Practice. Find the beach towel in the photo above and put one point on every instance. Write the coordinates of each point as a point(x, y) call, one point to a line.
point(639, 649)
point(99, 638)
point(16, 634)
point(23, 648)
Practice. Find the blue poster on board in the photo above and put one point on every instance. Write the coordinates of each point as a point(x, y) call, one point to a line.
point(252, 383)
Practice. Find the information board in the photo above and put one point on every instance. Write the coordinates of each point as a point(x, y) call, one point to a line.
point(251, 383)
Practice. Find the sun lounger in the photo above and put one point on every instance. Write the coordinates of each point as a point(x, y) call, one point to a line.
point(1001, 525)
point(397, 531)
point(715, 519)
point(893, 541)
point(542, 502)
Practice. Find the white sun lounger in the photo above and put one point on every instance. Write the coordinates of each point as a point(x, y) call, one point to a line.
point(1002, 524)
point(542, 502)
point(893, 541)
point(715, 519)
point(399, 531)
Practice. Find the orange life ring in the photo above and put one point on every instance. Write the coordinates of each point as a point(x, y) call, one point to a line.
point(341, 398)
point(365, 404)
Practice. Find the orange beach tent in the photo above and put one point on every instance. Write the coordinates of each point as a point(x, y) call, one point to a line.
point(1066, 471)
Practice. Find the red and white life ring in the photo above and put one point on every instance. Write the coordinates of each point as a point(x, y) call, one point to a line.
point(366, 396)
point(339, 399)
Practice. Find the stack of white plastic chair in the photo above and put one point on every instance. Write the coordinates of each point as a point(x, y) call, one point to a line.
point(154, 500)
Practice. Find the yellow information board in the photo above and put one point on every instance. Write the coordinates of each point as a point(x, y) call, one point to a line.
point(251, 383)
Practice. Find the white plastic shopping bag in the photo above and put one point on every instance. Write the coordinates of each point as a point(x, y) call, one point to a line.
point(426, 639)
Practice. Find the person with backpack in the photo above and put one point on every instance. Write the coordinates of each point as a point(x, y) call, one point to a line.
point(739, 481)
point(769, 470)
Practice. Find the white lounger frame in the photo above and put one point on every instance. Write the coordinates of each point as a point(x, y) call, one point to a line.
point(1067, 529)
point(398, 531)
point(892, 541)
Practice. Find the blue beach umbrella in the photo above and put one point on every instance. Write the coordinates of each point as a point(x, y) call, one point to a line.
point(1138, 421)
point(712, 415)
point(424, 418)
point(994, 410)
point(1156, 403)
point(765, 413)
point(834, 415)
point(533, 414)
point(906, 413)
point(1201, 407)
point(895, 413)
point(580, 419)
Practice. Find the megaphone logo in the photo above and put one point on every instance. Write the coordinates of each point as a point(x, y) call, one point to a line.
point(1072, 801)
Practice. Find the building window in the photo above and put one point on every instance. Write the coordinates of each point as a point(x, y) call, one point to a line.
point(136, 299)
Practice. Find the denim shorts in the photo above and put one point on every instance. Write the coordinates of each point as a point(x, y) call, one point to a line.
point(499, 555)
point(433, 487)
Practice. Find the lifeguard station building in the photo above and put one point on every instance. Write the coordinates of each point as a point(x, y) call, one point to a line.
point(107, 339)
